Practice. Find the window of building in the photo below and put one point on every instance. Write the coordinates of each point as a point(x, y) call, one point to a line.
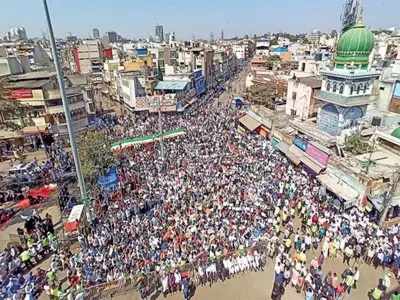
point(334, 88)
point(382, 88)
point(341, 89)
point(352, 90)
point(328, 86)
point(359, 87)
point(294, 95)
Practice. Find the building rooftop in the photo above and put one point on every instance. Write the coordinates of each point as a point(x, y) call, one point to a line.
point(174, 85)
point(310, 129)
point(77, 79)
point(32, 76)
point(312, 81)
point(350, 74)
point(28, 84)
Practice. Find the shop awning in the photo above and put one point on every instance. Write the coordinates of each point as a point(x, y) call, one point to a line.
point(164, 108)
point(311, 164)
point(34, 129)
point(249, 122)
point(339, 188)
point(295, 154)
point(283, 147)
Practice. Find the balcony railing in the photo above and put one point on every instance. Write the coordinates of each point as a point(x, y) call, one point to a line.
point(62, 129)
point(55, 94)
point(59, 108)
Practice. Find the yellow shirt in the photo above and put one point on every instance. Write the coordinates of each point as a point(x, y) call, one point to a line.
point(377, 294)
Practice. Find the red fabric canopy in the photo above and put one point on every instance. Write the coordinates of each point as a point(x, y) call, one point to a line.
point(71, 226)
point(24, 203)
point(43, 192)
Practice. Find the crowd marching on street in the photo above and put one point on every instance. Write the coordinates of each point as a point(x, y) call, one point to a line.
point(220, 203)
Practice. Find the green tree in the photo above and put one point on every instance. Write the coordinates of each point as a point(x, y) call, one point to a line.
point(356, 145)
point(95, 155)
point(13, 114)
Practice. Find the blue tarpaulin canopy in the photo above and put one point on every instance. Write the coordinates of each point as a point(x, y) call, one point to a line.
point(171, 85)
point(109, 180)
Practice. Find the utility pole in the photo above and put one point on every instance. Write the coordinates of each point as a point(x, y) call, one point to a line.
point(64, 99)
point(389, 196)
point(372, 151)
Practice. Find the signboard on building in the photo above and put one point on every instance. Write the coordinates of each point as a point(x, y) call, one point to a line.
point(141, 52)
point(108, 53)
point(197, 74)
point(21, 94)
point(300, 143)
point(396, 92)
point(141, 104)
point(200, 85)
point(395, 102)
point(317, 154)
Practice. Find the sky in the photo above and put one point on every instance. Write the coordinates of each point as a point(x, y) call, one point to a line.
point(188, 19)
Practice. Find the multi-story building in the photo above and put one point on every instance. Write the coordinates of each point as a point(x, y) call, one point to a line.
point(348, 89)
point(301, 102)
point(88, 57)
point(10, 66)
point(40, 91)
point(96, 33)
point(159, 33)
point(208, 68)
point(262, 47)
point(17, 34)
point(31, 56)
point(130, 88)
point(111, 37)
point(244, 50)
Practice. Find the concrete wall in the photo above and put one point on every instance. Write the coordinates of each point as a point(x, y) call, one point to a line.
point(10, 66)
point(385, 95)
point(302, 100)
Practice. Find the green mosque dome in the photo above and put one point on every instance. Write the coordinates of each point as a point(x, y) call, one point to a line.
point(354, 47)
point(396, 133)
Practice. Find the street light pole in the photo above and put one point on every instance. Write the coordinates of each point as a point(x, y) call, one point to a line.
point(60, 79)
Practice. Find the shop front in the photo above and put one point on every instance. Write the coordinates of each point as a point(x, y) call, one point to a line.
point(263, 131)
point(347, 188)
point(295, 154)
point(311, 166)
point(318, 155)
point(247, 122)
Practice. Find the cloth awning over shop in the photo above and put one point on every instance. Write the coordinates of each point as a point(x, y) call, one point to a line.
point(339, 188)
point(295, 154)
point(34, 129)
point(311, 164)
point(164, 108)
point(283, 147)
point(378, 201)
point(249, 122)
point(395, 200)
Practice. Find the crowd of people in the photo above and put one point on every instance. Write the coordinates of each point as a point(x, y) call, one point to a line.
point(217, 204)
point(37, 241)
point(215, 196)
